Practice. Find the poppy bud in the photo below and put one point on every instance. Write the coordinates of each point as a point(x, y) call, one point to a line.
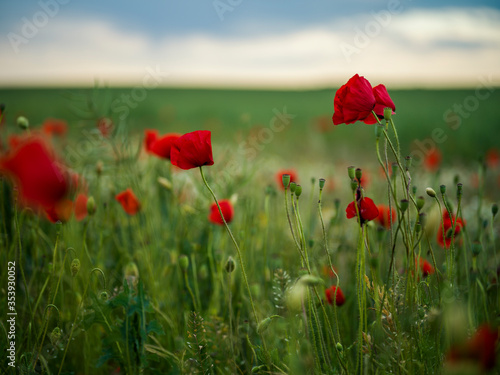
point(420, 203)
point(340, 348)
point(293, 186)
point(98, 168)
point(256, 369)
point(354, 185)
point(459, 190)
point(55, 335)
point(387, 113)
point(203, 272)
point(442, 188)
point(91, 206)
point(23, 122)
point(336, 203)
point(310, 280)
point(230, 265)
point(75, 267)
point(286, 180)
point(476, 248)
point(350, 172)
point(298, 190)
point(456, 179)
point(494, 209)
point(184, 262)
point(264, 324)
point(321, 183)
point(131, 270)
point(430, 192)
point(408, 162)
point(313, 180)
point(378, 130)
point(404, 205)
point(414, 189)
point(104, 296)
point(421, 219)
point(359, 174)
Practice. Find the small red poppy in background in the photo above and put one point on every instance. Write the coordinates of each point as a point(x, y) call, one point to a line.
point(383, 100)
point(425, 267)
point(52, 126)
point(327, 271)
point(367, 210)
point(227, 211)
point(492, 158)
point(105, 126)
point(81, 207)
point(383, 216)
point(129, 201)
point(354, 101)
point(291, 172)
point(432, 160)
point(160, 146)
point(444, 239)
point(330, 295)
point(34, 168)
point(192, 150)
point(479, 349)
point(61, 211)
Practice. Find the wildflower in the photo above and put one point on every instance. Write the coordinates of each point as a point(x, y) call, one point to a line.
point(383, 100)
point(354, 101)
point(129, 201)
point(192, 150)
point(291, 172)
point(227, 211)
point(432, 160)
point(492, 158)
point(160, 146)
point(367, 210)
point(33, 166)
point(52, 126)
point(61, 211)
point(81, 207)
point(425, 267)
point(330, 295)
point(383, 216)
point(444, 238)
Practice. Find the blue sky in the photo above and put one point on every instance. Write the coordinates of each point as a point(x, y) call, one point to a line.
point(254, 43)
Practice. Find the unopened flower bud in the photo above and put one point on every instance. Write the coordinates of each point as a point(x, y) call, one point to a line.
point(414, 189)
point(184, 262)
point(298, 191)
point(394, 170)
point(422, 218)
point(476, 248)
point(313, 180)
point(340, 348)
point(285, 178)
point(494, 209)
point(75, 267)
point(230, 265)
point(310, 280)
point(420, 202)
point(354, 185)
point(404, 205)
point(351, 172)
point(387, 113)
point(430, 192)
point(442, 188)
point(293, 186)
point(378, 130)
point(91, 206)
point(321, 183)
point(23, 122)
point(359, 174)
point(459, 190)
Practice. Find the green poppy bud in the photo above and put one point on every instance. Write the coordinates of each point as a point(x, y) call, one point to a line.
point(404, 205)
point(387, 113)
point(442, 188)
point(230, 265)
point(184, 262)
point(286, 180)
point(476, 248)
point(459, 190)
point(298, 191)
point(430, 192)
point(359, 174)
point(351, 172)
point(75, 267)
point(293, 186)
point(340, 348)
point(321, 183)
point(494, 209)
point(23, 122)
point(354, 185)
point(420, 203)
point(91, 206)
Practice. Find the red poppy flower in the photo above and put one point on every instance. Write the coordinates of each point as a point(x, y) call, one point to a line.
point(129, 201)
point(479, 349)
point(227, 211)
point(426, 267)
point(192, 150)
point(492, 158)
point(291, 172)
point(327, 271)
point(432, 160)
point(61, 211)
point(105, 126)
point(330, 295)
point(161, 146)
point(444, 239)
point(150, 137)
point(81, 207)
point(383, 216)
point(34, 168)
point(383, 100)
point(353, 102)
point(367, 210)
point(53, 126)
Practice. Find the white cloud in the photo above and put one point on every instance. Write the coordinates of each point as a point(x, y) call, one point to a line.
point(451, 47)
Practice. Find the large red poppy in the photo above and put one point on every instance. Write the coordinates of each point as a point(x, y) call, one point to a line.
point(160, 146)
point(330, 295)
point(367, 210)
point(383, 217)
point(383, 100)
point(354, 101)
point(129, 201)
point(227, 211)
point(192, 150)
point(33, 166)
point(444, 238)
point(291, 172)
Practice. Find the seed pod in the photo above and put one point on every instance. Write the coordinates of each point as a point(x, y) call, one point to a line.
point(404, 205)
point(286, 180)
point(230, 265)
point(298, 191)
point(420, 203)
point(351, 172)
point(321, 183)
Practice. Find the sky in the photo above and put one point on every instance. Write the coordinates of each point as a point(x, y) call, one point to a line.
point(249, 43)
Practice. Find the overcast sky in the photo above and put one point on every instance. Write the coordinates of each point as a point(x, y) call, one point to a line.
point(252, 43)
